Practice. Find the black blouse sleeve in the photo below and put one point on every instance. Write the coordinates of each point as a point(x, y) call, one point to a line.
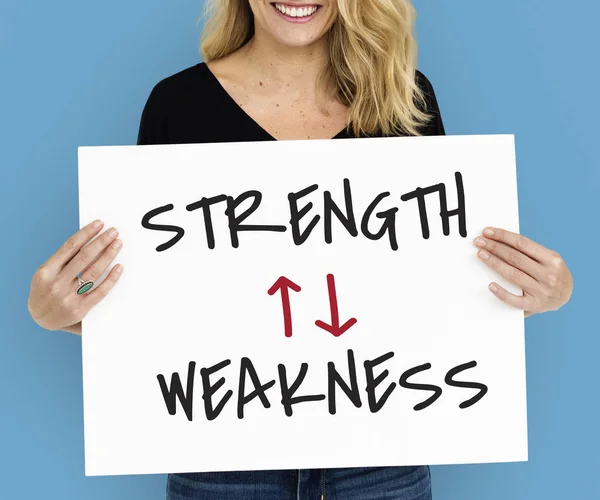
point(435, 126)
point(153, 123)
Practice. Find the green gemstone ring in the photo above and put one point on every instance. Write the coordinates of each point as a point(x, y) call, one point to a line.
point(84, 286)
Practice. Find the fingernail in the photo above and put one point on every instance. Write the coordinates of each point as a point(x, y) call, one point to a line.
point(480, 242)
point(97, 224)
point(117, 244)
point(112, 233)
point(493, 287)
point(488, 231)
point(484, 255)
point(118, 269)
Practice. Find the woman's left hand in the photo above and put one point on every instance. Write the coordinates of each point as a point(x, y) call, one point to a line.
point(542, 274)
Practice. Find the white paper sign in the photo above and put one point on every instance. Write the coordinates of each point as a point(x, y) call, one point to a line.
point(320, 302)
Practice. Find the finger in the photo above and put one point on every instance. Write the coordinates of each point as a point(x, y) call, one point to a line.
point(100, 265)
point(86, 256)
point(69, 248)
point(509, 272)
point(512, 256)
point(518, 301)
point(97, 294)
point(519, 242)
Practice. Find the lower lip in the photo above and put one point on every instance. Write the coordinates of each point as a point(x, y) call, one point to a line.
point(297, 20)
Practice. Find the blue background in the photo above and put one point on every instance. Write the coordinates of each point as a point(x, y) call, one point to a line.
point(78, 73)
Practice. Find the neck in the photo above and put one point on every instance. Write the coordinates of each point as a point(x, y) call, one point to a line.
point(296, 67)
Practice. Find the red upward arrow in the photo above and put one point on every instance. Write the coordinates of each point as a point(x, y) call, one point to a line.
point(284, 285)
point(335, 329)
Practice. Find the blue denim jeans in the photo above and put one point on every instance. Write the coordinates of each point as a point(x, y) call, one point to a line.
point(372, 483)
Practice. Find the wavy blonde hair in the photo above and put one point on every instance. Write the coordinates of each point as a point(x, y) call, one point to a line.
point(372, 63)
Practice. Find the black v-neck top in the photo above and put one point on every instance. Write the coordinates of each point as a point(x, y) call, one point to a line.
point(193, 107)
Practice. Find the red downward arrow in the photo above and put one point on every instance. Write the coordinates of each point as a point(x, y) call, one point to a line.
point(335, 329)
point(284, 285)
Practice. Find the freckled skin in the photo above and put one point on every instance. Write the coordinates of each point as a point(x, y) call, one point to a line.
point(280, 65)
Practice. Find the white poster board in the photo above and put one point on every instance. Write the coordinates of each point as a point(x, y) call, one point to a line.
point(384, 348)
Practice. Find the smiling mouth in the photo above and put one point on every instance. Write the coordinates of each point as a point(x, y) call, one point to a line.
point(296, 12)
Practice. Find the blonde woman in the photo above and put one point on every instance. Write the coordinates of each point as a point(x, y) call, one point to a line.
point(329, 69)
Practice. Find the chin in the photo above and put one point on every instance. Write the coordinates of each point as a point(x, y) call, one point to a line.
point(295, 41)
point(298, 23)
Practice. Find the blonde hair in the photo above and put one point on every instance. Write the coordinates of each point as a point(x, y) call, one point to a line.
point(372, 63)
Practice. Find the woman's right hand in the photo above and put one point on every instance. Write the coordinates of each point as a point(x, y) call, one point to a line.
point(53, 300)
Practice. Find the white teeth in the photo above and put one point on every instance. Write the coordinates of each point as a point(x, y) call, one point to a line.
point(296, 12)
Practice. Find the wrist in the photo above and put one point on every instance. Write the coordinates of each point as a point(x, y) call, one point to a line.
point(76, 328)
